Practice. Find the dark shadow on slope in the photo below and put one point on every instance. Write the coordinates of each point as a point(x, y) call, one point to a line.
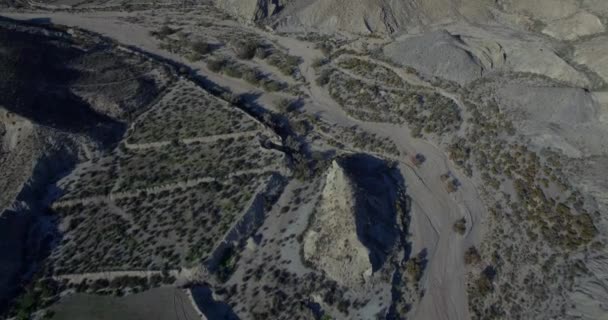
point(29, 230)
point(375, 213)
point(35, 83)
point(212, 309)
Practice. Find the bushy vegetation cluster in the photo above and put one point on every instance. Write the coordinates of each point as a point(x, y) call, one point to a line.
point(287, 64)
point(327, 44)
point(558, 223)
point(414, 268)
point(426, 112)
point(135, 170)
point(460, 226)
point(170, 229)
point(245, 49)
point(252, 75)
point(373, 71)
point(538, 218)
point(141, 169)
point(286, 293)
point(38, 295)
point(358, 138)
point(189, 112)
point(97, 179)
point(163, 32)
point(121, 285)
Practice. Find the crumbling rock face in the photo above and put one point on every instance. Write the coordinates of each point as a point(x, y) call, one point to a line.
point(331, 244)
point(250, 10)
point(383, 17)
point(364, 18)
point(354, 228)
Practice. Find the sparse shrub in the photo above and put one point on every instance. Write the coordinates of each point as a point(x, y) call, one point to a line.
point(415, 266)
point(452, 186)
point(245, 50)
point(227, 264)
point(233, 70)
point(252, 76)
point(416, 131)
point(194, 56)
point(261, 53)
point(324, 77)
point(287, 64)
point(471, 256)
point(417, 159)
point(444, 177)
point(201, 47)
point(284, 105)
point(483, 284)
point(325, 48)
point(216, 65)
point(414, 270)
point(319, 62)
point(460, 226)
point(271, 85)
point(163, 32)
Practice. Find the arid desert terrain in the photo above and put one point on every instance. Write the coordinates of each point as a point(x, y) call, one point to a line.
point(304, 159)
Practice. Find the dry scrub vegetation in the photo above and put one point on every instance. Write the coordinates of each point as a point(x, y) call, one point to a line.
point(187, 111)
point(137, 169)
point(424, 111)
point(170, 229)
point(372, 71)
point(536, 216)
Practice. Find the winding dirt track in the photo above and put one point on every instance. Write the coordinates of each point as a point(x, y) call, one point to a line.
point(434, 210)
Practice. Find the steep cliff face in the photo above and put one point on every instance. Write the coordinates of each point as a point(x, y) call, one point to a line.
point(251, 10)
point(355, 227)
point(564, 19)
point(332, 244)
point(382, 17)
point(51, 117)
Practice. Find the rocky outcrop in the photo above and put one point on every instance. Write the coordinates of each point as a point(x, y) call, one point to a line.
point(354, 228)
point(250, 10)
point(383, 17)
point(331, 244)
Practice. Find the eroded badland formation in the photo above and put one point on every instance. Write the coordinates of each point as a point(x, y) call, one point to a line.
point(304, 159)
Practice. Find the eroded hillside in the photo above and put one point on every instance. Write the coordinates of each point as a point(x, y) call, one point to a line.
point(305, 159)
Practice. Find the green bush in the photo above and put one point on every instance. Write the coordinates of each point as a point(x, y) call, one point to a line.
point(272, 85)
point(201, 47)
point(471, 256)
point(319, 62)
point(233, 71)
point(245, 50)
point(194, 56)
point(216, 65)
point(483, 284)
point(261, 53)
point(284, 105)
point(460, 226)
point(163, 32)
point(252, 76)
point(324, 78)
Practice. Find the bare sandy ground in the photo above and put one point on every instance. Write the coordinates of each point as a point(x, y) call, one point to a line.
point(434, 210)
